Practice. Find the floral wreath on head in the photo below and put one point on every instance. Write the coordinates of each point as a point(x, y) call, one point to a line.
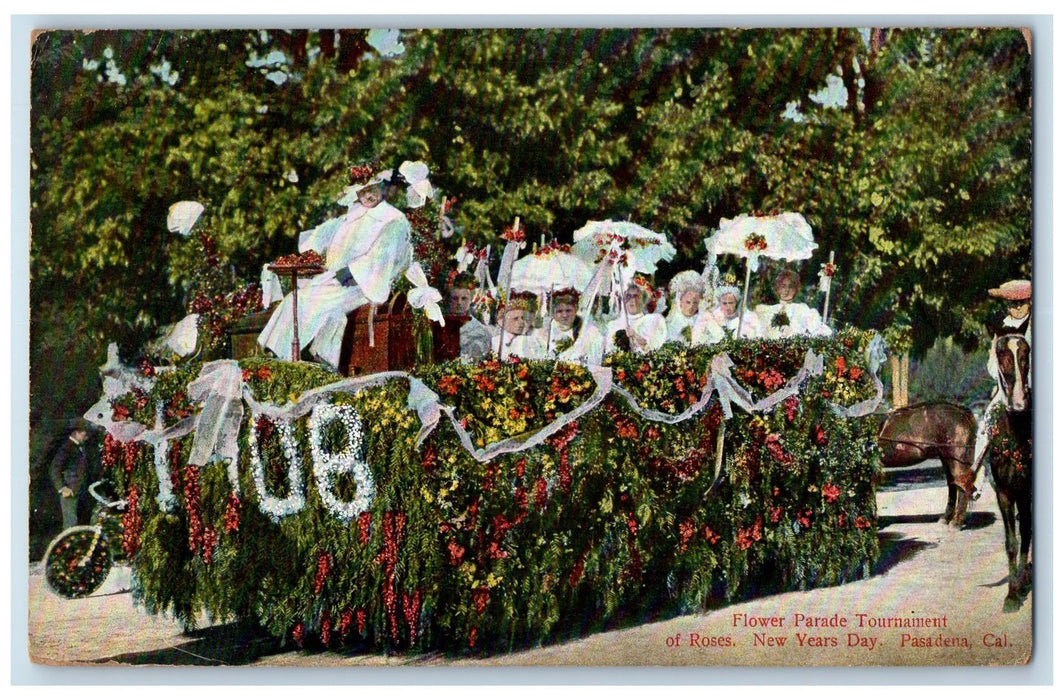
point(567, 295)
point(461, 280)
point(524, 301)
point(644, 286)
point(364, 174)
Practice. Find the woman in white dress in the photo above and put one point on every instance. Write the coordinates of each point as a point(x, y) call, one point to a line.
point(726, 314)
point(364, 253)
point(517, 339)
point(688, 322)
point(569, 337)
point(635, 330)
point(789, 318)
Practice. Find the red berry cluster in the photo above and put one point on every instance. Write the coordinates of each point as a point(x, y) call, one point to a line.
point(559, 442)
point(687, 531)
point(113, 451)
point(393, 528)
point(346, 618)
point(365, 520)
point(412, 612)
point(132, 454)
point(326, 627)
point(455, 552)
point(578, 571)
point(790, 406)
point(131, 524)
point(299, 634)
point(192, 507)
point(481, 598)
point(325, 562)
point(232, 514)
point(210, 541)
point(146, 368)
point(775, 448)
point(541, 493)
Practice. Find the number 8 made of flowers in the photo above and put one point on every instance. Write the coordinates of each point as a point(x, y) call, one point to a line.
point(328, 466)
point(272, 506)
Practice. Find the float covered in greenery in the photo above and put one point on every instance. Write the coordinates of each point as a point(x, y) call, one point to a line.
point(356, 525)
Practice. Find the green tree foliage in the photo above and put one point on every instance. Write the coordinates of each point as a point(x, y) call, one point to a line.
point(920, 182)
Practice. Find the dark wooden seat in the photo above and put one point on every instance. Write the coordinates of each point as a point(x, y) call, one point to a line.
point(394, 343)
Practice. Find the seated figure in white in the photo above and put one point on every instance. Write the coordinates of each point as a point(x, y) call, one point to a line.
point(635, 330)
point(569, 337)
point(516, 325)
point(688, 322)
point(364, 253)
point(726, 314)
point(789, 318)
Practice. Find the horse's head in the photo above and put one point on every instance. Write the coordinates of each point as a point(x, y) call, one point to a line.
point(1014, 365)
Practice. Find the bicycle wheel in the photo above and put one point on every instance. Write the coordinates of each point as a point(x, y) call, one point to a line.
point(77, 562)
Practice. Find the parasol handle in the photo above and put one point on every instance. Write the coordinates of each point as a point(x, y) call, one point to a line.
point(827, 291)
point(550, 315)
point(742, 306)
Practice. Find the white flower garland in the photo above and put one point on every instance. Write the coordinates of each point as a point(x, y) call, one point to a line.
point(272, 506)
point(165, 497)
point(327, 466)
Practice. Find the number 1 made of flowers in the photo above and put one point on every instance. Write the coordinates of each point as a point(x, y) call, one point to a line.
point(328, 466)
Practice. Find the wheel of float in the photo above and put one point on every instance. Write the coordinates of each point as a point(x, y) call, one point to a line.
point(77, 562)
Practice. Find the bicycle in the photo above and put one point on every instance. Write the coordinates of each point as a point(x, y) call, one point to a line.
point(79, 559)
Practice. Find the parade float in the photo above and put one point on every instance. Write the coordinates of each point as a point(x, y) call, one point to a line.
point(486, 506)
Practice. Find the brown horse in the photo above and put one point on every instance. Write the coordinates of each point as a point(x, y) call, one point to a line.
point(1011, 461)
point(935, 430)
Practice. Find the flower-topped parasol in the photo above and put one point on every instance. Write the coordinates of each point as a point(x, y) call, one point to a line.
point(551, 267)
point(619, 250)
point(785, 236)
point(636, 248)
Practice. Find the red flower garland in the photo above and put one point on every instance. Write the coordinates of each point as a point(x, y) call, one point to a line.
point(232, 514)
point(131, 524)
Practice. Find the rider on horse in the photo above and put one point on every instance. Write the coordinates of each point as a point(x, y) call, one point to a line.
point(1018, 321)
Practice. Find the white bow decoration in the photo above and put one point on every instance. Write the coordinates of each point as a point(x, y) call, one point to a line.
point(465, 258)
point(416, 175)
point(182, 216)
point(424, 296)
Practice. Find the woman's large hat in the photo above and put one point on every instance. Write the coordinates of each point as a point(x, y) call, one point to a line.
point(1013, 290)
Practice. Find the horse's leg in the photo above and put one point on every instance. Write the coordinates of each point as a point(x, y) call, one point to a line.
point(959, 471)
point(1024, 514)
point(1008, 518)
point(963, 484)
point(951, 492)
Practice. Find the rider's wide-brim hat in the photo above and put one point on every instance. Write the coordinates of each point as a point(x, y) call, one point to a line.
point(1014, 290)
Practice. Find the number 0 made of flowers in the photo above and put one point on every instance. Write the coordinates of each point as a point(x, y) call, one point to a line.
point(272, 506)
point(328, 466)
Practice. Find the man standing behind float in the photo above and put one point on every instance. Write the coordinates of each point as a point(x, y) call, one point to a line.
point(364, 254)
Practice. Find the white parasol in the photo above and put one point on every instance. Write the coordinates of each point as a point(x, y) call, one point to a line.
point(618, 249)
point(786, 236)
point(640, 248)
point(550, 267)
